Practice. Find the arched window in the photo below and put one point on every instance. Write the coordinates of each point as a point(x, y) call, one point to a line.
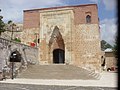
point(88, 19)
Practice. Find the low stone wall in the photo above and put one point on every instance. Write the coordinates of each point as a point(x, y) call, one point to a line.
point(29, 54)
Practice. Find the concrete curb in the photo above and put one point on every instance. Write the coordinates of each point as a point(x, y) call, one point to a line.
point(107, 80)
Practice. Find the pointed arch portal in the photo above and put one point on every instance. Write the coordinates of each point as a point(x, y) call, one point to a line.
point(58, 51)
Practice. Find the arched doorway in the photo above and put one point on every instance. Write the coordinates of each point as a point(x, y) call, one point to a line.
point(58, 56)
point(57, 47)
point(15, 56)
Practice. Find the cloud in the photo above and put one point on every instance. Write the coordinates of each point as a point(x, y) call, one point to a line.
point(13, 9)
point(109, 4)
point(108, 28)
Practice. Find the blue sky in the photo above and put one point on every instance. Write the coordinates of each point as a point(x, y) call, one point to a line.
point(107, 11)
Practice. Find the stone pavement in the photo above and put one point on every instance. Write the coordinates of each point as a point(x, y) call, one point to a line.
point(59, 72)
point(108, 79)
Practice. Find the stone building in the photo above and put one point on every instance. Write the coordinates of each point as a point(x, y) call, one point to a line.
point(110, 59)
point(65, 35)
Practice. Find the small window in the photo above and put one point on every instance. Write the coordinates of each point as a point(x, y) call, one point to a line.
point(88, 19)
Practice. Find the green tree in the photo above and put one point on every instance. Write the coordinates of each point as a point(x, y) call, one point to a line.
point(2, 25)
point(105, 45)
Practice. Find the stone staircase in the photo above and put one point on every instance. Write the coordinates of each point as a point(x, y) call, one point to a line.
point(57, 72)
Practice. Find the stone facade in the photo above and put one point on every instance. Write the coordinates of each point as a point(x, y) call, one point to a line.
point(65, 30)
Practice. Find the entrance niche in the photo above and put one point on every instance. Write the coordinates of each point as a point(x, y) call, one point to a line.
point(57, 47)
point(58, 56)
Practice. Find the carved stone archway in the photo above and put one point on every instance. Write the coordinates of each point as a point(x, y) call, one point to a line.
point(56, 47)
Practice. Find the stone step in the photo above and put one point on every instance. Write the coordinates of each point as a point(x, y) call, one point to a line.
point(95, 75)
point(55, 72)
point(98, 76)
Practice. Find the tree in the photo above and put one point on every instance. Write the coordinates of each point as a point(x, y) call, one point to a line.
point(11, 27)
point(2, 24)
point(105, 45)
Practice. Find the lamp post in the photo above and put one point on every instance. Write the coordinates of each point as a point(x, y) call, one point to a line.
point(12, 70)
point(13, 57)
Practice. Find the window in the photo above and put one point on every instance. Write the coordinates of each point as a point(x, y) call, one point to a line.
point(88, 19)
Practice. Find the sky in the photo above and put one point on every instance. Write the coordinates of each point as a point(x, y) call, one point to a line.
point(107, 12)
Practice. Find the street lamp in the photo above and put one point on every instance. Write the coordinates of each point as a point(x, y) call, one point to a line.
point(15, 57)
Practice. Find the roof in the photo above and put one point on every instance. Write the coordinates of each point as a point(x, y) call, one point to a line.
point(108, 50)
point(61, 7)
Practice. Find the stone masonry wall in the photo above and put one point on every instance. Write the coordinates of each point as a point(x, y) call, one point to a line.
point(81, 12)
point(87, 46)
point(29, 54)
point(29, 35)
point(30, 27)
point(31, 19)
